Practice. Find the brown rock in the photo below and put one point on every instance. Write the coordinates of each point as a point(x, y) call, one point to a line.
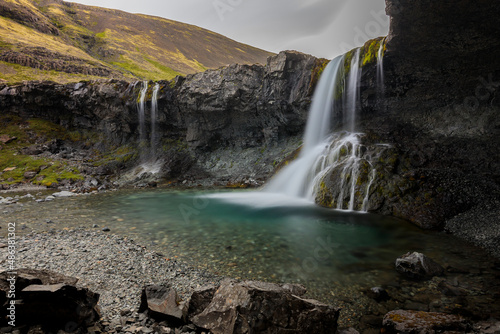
point(401, 321)
point(264, 307)
point(200, 299)
point(29, 175)
point(162, 303)
point(7, 139)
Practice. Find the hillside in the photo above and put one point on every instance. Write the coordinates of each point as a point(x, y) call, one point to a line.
point(64, 42)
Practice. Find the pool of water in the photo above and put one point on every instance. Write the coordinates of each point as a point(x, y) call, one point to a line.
point(257, 235)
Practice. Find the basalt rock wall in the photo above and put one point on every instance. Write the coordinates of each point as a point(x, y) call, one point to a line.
point(438, 110)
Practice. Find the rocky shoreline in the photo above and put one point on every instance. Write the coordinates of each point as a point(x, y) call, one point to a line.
point(118, 268)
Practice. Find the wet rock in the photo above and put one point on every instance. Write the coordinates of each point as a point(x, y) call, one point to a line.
point(418, 266)
point(162, 303)
point(50, 300)
point(379, 294)
point(106, 229)
point(264, 307)
point(64, 194)
point(401, 321)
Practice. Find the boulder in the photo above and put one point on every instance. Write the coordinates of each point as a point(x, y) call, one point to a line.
point(200, 299)
point(401, 321)
point(47, 299)
point(264, 307)
point(418, 266)
point(29, 175)
point(163, 303)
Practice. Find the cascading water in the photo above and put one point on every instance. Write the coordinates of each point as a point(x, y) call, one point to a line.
point(351, 93)
point(380, 69)
point(154, 117)
point(149, 162)
point(325, 155)
point(141, 107)
point(317, 130)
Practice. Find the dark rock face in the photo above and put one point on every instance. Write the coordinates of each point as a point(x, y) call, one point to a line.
point(240, 107)
point(250, 105)
point(440, 106)
point(401, 321)
point(438, 111)
point(47, 299)
point(418, 266)
point(264, 307)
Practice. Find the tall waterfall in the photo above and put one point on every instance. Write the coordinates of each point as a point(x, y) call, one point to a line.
point(340, 156)
point(380, 69)
point(141, 109)
point(295, 179)
point(351, 93)
point(154, 118)
point(148, 148)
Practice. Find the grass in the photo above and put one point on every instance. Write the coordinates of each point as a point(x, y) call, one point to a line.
point(48, 172)
point(13, 73)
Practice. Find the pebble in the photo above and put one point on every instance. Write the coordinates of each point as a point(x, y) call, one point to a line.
point(113, 266)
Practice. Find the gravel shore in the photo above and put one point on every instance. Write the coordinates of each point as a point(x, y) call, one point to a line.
point(115, 267)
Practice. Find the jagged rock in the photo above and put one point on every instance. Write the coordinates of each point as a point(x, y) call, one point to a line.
point(418, 266)
point(410, 322)
point(200, 299)
point(162, 303)
point(264, 307)
point(47, 299)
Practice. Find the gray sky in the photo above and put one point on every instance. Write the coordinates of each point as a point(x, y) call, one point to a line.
point(323, 28)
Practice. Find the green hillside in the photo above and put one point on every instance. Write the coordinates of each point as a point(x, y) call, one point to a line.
point(64, 42)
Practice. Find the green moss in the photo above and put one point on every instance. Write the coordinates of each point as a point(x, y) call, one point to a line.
point(122, 154)
point(369, 51)
point(28, 131)
point(319, 67)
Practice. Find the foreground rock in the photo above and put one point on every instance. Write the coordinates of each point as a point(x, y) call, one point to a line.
point(401, 321)
point(242, 307)
point(48, 300)
point(250, 306)
point(418, 266)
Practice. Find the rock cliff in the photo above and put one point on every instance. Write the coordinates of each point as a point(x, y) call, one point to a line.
point(439, 112)
point(228, 125)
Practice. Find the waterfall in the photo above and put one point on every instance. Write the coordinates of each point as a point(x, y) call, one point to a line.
point(339, 159)
point(294, 180)
point(351, 93)
point(154, 117)
point(141, 106)
point(380, 69)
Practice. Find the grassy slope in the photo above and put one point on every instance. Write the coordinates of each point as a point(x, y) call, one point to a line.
point(60, 38)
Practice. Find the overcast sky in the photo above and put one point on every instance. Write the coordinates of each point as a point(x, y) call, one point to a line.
point(323, 28)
